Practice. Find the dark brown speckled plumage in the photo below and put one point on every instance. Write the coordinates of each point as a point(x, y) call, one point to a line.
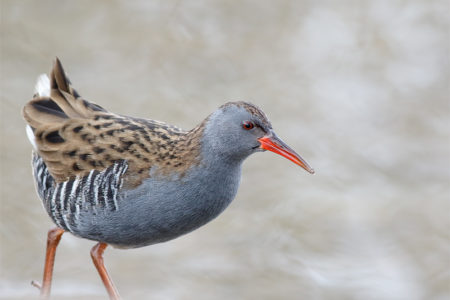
point(74, 136)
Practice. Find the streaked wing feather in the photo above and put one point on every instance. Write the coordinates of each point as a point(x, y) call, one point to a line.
point(74, 137)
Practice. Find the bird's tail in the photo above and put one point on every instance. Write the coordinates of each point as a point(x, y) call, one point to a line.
point(56, 100)
point(54, 103)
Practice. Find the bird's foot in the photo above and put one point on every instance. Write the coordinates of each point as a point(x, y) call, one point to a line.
point(36, 284)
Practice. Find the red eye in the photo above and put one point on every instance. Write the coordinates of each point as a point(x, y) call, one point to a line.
point(248, 125)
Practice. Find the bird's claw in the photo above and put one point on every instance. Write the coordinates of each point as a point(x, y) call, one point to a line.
point(36, 284)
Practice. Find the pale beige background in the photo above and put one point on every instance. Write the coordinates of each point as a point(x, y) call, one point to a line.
point(359, 88)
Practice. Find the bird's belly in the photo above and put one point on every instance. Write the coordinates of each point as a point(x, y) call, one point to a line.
point(158, 211)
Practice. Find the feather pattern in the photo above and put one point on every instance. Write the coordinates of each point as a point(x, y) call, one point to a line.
point(84, 156)
point(74, 136)
point(65, 200)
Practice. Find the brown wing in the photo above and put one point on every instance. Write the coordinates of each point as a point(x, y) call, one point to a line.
point(74, 136)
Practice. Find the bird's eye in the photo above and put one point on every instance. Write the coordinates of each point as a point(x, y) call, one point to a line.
point(248, 125)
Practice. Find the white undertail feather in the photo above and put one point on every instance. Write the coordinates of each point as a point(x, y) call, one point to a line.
point(31, 138)
point(42, 87)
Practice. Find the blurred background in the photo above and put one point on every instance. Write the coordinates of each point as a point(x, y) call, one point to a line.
point(359, 88)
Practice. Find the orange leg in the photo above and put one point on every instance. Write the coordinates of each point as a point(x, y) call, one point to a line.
point(97, 258)
point(53, 238)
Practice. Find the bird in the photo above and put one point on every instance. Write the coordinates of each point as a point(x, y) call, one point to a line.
point(131, 182)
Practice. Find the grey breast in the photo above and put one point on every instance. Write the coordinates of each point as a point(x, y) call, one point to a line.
point(164, 208)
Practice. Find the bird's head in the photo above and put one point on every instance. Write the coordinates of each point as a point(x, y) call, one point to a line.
point(238, 129)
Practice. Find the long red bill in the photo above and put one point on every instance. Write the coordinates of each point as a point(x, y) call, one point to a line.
point(273, 143)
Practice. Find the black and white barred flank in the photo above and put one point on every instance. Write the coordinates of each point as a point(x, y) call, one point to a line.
point(98, 191)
